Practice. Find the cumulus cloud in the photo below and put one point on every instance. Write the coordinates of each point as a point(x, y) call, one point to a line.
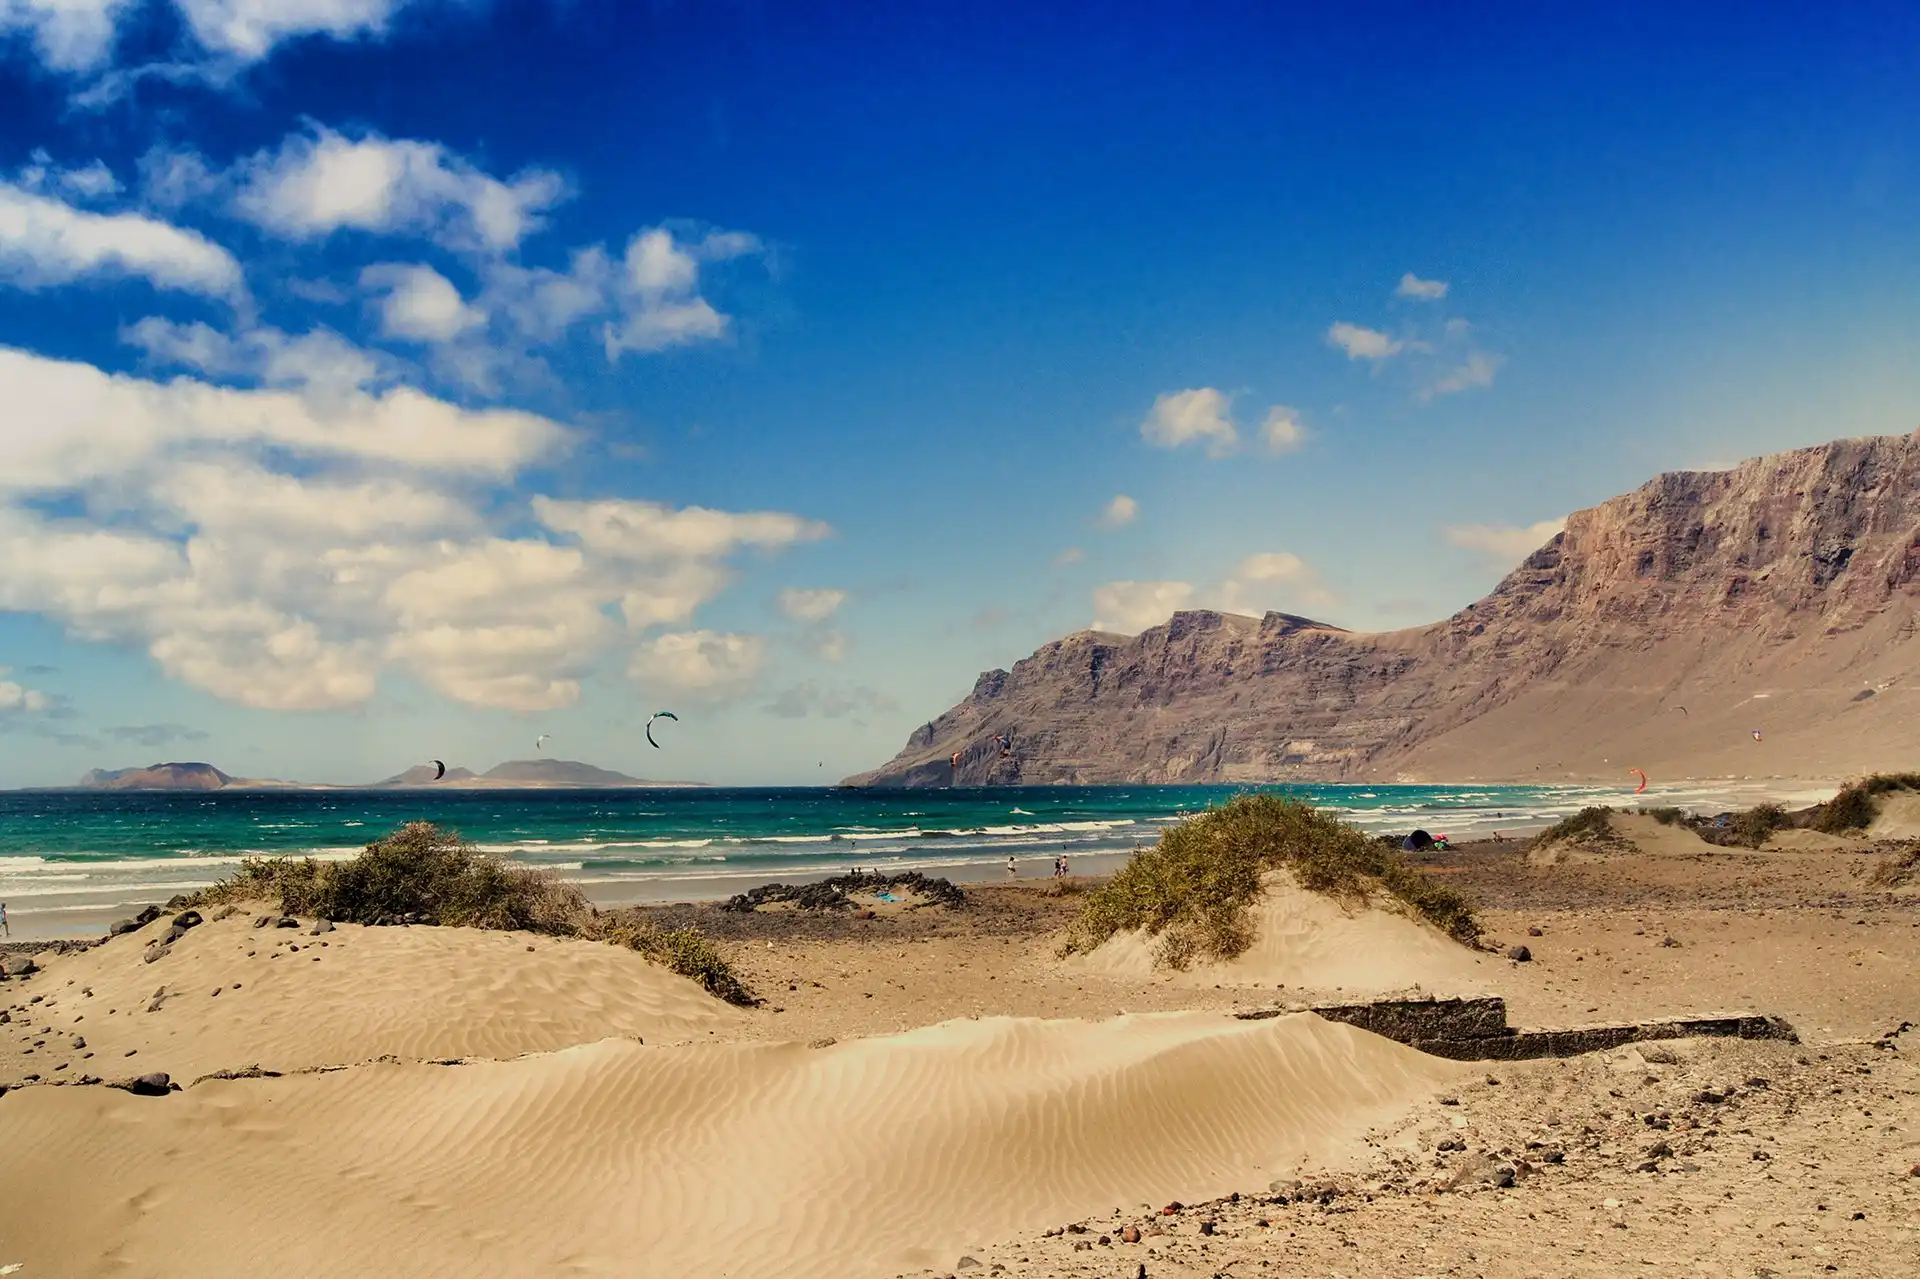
point(284, 550)
point(1412, 286)
point(1281, 432)
point(46, 242)
point(320, 359)
point(418, 304)
point(248, 30)
point(1184, 417)
point(700, 663)
point(1127, 608)
point(1269, 580)
point(1362, 343)
point(1120, 512)
point(658, 290)
point(811, 605)
point(68, 35)
point(1503, 545)
point(319, 183)
point(16, 700)
point(1477, 370)
point(77, 36)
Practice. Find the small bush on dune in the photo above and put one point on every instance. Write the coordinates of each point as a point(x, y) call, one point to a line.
point(1665, 816)
point(1191, 890)
point(421, 872)
point(1594, 822)
point(1756, 825)
point(1856, 804)
point(686, 951)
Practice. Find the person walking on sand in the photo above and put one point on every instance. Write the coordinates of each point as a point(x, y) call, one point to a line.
point(6, 927)
point(1010, 867)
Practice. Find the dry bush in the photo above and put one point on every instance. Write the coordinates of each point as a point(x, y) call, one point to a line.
point(1190, 891)
point(423, 874)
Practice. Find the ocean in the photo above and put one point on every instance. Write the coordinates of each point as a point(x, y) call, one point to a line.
point(69, 859)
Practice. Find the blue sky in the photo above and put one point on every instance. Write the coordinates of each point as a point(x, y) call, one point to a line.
point(390, 380)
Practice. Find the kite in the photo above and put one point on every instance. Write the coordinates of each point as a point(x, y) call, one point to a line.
point(1643, 780)
point(542, 740)
point(1683, 711)
point(1756, 734)
point(439, 769)
point(659, 715)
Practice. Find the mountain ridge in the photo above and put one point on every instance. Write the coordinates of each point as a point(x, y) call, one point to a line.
point(524, 774)
point(1780, 597)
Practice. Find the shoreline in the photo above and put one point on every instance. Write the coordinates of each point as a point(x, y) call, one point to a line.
point(49, 909)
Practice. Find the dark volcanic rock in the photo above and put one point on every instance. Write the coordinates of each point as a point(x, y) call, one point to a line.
point(833, 894)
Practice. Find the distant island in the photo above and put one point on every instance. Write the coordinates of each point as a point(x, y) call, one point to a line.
point(515, 774)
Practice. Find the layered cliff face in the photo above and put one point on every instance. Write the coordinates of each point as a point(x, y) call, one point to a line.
point(1658, 631)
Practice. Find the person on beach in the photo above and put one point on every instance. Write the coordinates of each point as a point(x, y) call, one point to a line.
point(6, 928)
point(1056, 867)
point(1010, 867)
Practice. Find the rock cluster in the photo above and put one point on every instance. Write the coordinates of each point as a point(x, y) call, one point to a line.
point(835, 893)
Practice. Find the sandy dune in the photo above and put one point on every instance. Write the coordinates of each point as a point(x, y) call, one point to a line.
point(1308, 942)
point(868, 1157)
point(347, 996)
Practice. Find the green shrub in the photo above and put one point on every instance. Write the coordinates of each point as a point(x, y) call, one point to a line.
point(1595, 822)
point(1754, 826)
point(1856, 804)
point(686, 951)
point(1665, 816)
point(1191, 890)
point(423, 873)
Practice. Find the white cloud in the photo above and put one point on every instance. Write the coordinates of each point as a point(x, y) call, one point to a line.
point(1412, 286)
point(1182, 417)
point(68, 35)
point(91, 181)
point(419, 304)
point(1273, 580)
point(811, 605)
point(320, 359)
point(700, 663)
point(544, 304)
point(1504, 545)
point(248, 30)
point(46, 242)
point(1127, 608)
point(1121, 511)
point(1477, 370)
point(659, 290)
point(1269, 580)
point(1072, 555)
point(315, 185)
point(16, 699)
point(284, 549)
point(829, 645)
point(1281, 432)
point(1361, 343)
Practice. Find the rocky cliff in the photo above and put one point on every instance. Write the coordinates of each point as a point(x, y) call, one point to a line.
point(1659, 631)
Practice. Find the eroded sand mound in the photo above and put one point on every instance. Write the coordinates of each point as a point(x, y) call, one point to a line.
point(228, 995)
point(1899, 817)
point(1304, 940)
point(864, 1158)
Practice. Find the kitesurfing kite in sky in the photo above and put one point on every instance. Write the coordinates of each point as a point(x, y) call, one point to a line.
point(542, 740)
point(659, 715)
point(439, 769)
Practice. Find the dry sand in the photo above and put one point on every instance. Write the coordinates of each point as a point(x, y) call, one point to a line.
point(922, 1084)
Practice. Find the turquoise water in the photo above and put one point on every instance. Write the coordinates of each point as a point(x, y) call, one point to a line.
point(82, 854)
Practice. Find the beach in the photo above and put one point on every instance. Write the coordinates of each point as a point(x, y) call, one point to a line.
point(924, 1085)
